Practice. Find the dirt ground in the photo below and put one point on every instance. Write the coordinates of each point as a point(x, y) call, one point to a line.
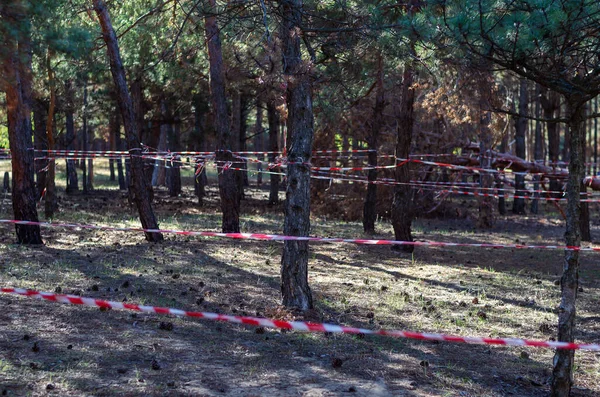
point(54, 349)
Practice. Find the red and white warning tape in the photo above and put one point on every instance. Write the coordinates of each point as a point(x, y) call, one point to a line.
point(297, 325)
point(279, 237)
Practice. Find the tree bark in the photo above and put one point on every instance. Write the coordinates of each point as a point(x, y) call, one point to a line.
point(139, 189)
point(17, 81)
point(294, 262)
point(370, 206)
point(72, 183)
point(402, 205)
point(562, 375)
point(273, 118)
point(520, 131)
point(228, 191)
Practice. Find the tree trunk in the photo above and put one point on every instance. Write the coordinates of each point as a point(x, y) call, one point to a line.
point(50, 202)
point(236, 128)
point(550, 103)
point(137, 98)
point(112, 146)
point(259, 140)
point(114, 126)
point(40, 143)
point(139, 189)
point(199, 145)
point(84, 140)
point(370, 206)
point(18, 87)
point(566, 149)
point(486, 180)
point(6, 183)
point(499, 182)
point(119, 145)
point(520, 131)
point(273, 118)
point(159, 175)
point(402, 206)
point(562, 375)
point(243, 138)
point(294, 262)
point(596, 137)
point(72, 183)
point(230, 201)
point(538, 152)
point(90, 161)
point(584, 216)
point(174, 172)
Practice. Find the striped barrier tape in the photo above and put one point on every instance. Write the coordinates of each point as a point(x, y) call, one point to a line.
point(296, 325)
point(279, 237)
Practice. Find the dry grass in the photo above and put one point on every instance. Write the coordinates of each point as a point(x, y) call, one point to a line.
point(461, 291)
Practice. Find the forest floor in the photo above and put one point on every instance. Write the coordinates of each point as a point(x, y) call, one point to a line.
point(462, 291)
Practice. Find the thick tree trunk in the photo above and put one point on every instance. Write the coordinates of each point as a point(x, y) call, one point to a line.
point(199, 145)
point(520, 131)
point(273, 118)
point(140, 191)
point(228, 191)
point(294, 262)
point(40, 143)
point(402, 204)
point(562, 375)
point(17, 85)
point(72, 183)
point(370, 205)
